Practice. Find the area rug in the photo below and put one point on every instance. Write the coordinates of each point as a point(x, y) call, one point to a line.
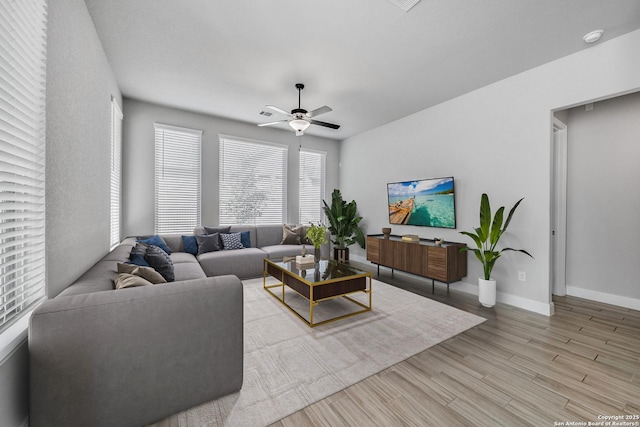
point(288, 366)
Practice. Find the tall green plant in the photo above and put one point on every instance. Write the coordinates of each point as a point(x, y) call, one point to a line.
point(486, 236)
point(343, 221)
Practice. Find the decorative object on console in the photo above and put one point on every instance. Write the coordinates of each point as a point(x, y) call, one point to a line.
point(343, 220)
point(411, 238)
point(425, 202)
point(439, 241)
point(386, 231)
point(486, 238)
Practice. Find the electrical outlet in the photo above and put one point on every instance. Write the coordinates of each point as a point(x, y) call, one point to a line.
point(522, 276)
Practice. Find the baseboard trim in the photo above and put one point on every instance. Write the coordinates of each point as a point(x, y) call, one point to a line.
point(619, 300)
point(514, 300)
point(470, 288)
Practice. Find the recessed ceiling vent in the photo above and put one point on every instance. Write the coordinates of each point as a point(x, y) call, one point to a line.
point(405, 4)
point(266, 113)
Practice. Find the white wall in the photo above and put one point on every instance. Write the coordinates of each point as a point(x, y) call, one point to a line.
point(80, 84)
point(495, 140)
point(138, 160)
point(79, 88)
point(603, 201)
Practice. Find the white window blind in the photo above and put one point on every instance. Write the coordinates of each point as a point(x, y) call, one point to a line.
point(177, 179)
point(253, 181)
point(23, 51)
point(312, 185)
point(116, 161)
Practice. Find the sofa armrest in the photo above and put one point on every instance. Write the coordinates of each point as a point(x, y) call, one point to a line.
point(135, 356)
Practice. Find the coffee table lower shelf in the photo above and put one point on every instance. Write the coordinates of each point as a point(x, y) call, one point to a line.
point(316, 292)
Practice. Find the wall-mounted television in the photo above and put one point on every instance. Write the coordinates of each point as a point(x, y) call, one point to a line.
point(426, 202)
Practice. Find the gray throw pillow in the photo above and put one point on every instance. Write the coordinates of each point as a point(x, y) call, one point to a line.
point(161, 262)
point(219, 229)
point(290, 235)
point(208, 243)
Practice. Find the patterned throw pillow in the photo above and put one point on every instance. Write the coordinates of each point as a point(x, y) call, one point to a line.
point(161, 262)
point(231, 241)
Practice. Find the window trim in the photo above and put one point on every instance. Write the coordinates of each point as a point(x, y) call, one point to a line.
point(116, 161)
point(28, 43)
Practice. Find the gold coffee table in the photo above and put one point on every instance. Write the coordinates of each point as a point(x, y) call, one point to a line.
point(328, 281)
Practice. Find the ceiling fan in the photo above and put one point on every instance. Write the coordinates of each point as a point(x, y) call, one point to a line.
point(299, 118)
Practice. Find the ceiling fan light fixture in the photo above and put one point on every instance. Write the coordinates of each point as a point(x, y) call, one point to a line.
point(299, 125)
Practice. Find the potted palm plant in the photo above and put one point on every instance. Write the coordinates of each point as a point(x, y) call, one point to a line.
point(343, 225)
point(486, 238)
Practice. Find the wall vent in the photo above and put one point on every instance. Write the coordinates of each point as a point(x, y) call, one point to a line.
point(266, 113)
point(405, 4)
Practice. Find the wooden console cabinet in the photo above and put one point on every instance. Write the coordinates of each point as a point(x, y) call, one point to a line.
point(443, 263)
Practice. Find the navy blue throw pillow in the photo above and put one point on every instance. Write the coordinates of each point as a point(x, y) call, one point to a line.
point(160, 261)
point(245, 238)
point(137, 255)
point(190, 244)
point(157, 241)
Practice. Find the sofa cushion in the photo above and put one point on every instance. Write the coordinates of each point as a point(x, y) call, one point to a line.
point(244, 263)
point(208, 243)
point(126, 280)
point(156, 241)
point(277, 252)
point(268, 234)
point(231, 241)
point(160, 261)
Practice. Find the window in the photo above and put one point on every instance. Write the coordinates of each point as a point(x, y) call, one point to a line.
point(116, 161)
point(23, 43)
point(312, 183)
point(253, 182)
point(177, 179)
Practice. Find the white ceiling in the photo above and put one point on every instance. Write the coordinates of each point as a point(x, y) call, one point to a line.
point(367, 59)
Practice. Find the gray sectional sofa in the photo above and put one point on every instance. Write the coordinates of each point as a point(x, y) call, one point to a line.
point(129, 357)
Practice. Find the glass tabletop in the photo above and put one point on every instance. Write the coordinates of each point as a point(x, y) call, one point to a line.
point(327, 270)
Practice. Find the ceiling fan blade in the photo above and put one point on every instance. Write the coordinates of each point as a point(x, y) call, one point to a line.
point(272, 123)
point(319, 111)
point(278, 110)
point(325, 124)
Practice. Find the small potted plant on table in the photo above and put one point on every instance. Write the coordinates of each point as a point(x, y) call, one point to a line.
point(317, 235)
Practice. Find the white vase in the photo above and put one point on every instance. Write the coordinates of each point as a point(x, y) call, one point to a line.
point(487, 292)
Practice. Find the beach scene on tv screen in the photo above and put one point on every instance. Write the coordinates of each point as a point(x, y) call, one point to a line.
point(426, 202)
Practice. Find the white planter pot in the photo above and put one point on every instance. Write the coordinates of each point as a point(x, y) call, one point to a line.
point(487, 292)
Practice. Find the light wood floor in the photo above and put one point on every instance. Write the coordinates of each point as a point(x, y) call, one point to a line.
point(516, 369)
